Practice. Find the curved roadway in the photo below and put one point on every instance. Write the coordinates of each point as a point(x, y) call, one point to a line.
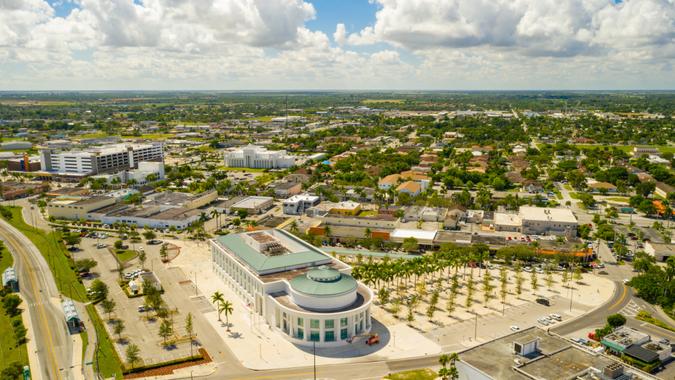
point(42, 300)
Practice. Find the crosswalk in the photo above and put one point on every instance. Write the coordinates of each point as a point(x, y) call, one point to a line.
point(631, 309)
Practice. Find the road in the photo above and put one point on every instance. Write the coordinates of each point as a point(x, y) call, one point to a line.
point(42, 299)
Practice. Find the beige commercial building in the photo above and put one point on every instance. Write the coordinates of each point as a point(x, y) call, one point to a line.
point(77, 208)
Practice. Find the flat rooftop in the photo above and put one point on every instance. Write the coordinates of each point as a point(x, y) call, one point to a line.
point(252, 202)
point(496, 358)
point(504, 219)
point(546, 214)
point(566, 364)
point(148, 212)
point(296, 253)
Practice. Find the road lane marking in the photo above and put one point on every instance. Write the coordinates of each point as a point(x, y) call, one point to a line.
point(31, 277)
point(623, 296)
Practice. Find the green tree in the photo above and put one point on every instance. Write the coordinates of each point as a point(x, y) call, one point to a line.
point(164, 252)
point(133, 354)
point(99, 289)
point(12, 372)
point(108, 306)
point(10, 304)
point(165, 329)
point(218, 299)
point(410, 244)
point(189, 329)
point(534, 280)
point(85, 265)
point(616, 320)
point(227, 309)
point(118, 329)
point(141, 258)
point(149, 235)
point(487, 287)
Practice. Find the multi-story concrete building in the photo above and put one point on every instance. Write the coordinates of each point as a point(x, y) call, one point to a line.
point(107, 159)
point(538, 221)
point(548, 221)
point(304, 294)
point(297, 204)
point(252, 156)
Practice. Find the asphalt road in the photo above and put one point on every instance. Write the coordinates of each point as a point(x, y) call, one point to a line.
point(41, 297)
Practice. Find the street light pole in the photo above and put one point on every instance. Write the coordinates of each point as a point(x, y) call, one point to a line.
point(314, 349)
point(475, 328)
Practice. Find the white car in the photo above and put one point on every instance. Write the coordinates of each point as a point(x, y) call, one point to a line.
point(515, 328)
point(555, 316)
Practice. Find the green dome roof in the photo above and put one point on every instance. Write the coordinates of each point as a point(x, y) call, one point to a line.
point(323, 281)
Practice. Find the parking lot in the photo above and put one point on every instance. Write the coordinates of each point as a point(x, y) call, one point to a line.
point(141, 328)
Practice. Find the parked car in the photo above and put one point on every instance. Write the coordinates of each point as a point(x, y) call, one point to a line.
point(555, 316)
point(154, 242)
point(514, 328)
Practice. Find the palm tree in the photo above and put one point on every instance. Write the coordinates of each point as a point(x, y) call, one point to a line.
point(218, 299)
point(215, 214)
point(226, 308)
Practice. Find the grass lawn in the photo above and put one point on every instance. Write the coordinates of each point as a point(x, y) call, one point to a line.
point(618, 199)
point(9, 352)
point(56, 255)
point(6, 259)
point(574, 195)
point(415, 374)
point(626, 148)
point(646, 317)
point(108, 362)
point(126, 255)
point(249, 170)
point(567, 187)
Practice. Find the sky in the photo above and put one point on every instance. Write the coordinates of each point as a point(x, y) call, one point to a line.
point(337, 44)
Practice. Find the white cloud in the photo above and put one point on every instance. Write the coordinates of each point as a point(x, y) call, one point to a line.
point(266, 44)
point(340, 35)
point(533, 27)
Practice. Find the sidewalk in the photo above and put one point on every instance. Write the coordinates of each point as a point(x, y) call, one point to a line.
point(259, 347)
point(31, 347)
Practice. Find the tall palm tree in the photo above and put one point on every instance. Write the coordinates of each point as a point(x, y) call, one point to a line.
point(215, 214)
point(227, 309)
point(218, 299)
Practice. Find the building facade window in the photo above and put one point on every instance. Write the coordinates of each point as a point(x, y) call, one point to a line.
point(314, 336)
point(329, 324)
point(300, 333)
point(344, 322)
point(344, 334)
point(329, 336)
point(314, 323)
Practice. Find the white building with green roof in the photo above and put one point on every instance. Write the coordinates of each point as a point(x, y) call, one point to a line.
point(299, 290)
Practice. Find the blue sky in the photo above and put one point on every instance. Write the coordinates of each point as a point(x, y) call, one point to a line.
point(355, 14)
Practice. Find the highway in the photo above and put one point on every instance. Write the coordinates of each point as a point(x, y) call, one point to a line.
point(41, 298)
